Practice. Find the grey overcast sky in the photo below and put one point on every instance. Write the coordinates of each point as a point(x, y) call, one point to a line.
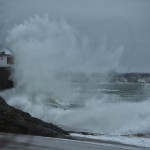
point(123, 23)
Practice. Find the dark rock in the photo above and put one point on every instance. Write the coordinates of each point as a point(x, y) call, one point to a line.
point(13, 120)
point(5, 81)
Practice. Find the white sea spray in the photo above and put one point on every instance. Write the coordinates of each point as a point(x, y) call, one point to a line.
point(44, 48)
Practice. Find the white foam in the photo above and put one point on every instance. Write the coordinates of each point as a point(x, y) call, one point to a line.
point(43, 48)
point(136, 141)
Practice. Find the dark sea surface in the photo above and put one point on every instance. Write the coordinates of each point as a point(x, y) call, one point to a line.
point(125, 91)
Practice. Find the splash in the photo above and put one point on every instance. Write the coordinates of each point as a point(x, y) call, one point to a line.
point(45, 48)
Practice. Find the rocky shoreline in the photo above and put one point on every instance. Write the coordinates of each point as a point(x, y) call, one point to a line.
point(13, 120)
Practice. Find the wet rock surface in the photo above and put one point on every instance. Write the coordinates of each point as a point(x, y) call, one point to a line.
point(16, 121)
point(13, 120)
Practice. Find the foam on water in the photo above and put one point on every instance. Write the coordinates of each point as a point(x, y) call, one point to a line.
point(44, 48)
point(134, 141)
point(93, 115)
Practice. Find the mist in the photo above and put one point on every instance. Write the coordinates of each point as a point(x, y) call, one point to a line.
point(51, 37)
point(123, 23)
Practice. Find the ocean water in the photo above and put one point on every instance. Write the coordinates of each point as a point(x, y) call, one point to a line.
point(53, 75)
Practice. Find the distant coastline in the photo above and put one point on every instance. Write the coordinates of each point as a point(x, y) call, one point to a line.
point(110, 76)
point(132, 77)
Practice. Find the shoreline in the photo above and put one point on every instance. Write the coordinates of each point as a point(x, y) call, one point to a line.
point(31, 142)
point(18, 123)
point(17, 126)
point(13, 120)
point(117, 140)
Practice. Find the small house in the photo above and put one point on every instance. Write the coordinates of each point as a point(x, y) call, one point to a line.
point(6, 59)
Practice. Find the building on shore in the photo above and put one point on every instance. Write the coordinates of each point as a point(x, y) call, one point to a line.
point(6, 58)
